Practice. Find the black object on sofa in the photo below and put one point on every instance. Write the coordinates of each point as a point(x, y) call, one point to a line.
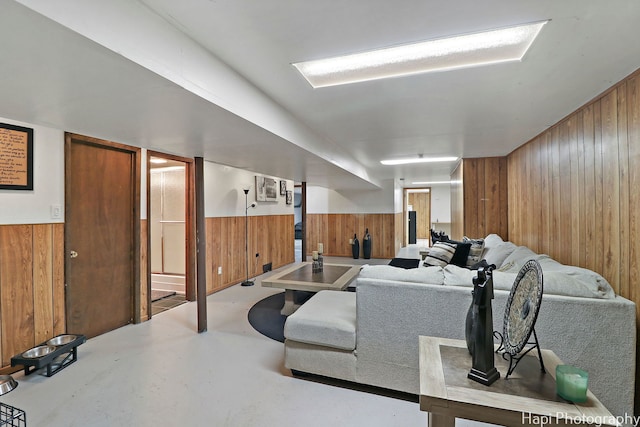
point(405, 263)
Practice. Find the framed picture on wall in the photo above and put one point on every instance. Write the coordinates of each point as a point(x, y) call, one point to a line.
point(266, 189)
point(16, 157)
point(283, 188)
point(289, 197)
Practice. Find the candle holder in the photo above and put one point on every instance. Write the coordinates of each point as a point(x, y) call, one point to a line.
point(315, 267)
point(571, 383)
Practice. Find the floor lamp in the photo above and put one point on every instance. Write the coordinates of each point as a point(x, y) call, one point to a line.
point(246, 236)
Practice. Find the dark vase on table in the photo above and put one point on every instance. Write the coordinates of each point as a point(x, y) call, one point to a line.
point(355, 247)
point(366, 245)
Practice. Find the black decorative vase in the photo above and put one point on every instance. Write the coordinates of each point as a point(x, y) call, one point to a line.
point(366, 245)
point(468, 327)
point(355, 247)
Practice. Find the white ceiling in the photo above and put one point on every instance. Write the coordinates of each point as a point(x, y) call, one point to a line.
point(53, 76)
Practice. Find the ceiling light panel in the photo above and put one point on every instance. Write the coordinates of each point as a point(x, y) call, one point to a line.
point(469, 50)
point(411, 160)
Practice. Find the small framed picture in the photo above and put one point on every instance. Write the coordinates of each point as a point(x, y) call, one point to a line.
point(283, 188)
point(16, 157)
point(289, 197)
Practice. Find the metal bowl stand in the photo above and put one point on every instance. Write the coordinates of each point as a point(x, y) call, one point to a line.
point(68, 352)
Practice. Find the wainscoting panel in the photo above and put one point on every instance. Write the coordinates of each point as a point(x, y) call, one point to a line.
point(31, 286)
point(573, 190)
point(272, 237)
point(335, 230)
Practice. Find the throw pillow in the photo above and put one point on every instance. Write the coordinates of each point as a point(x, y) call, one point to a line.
point(440, 254)
point(405, 263)
point(475, 253)
point(462, 253)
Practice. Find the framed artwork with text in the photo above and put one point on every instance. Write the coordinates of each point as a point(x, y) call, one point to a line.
point(16, 157)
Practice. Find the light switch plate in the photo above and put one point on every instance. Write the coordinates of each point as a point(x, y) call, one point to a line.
point(56, 211)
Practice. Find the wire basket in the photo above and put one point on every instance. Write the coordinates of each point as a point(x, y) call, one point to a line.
point(13, 417)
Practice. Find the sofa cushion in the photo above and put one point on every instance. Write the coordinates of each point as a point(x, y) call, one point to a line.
point(456, 276)
point(431, 275)
point(492, 240)
point(497, 254)
point(328, 318)
point(440, 254)
point(560, 279)
point(519, 257)
point(406, 263)
point(475, 251)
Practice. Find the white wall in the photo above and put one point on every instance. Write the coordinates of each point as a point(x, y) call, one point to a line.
point(321, 200)
point(441, 203)
point(224, 195)
point(223, 186)
point(34, 207)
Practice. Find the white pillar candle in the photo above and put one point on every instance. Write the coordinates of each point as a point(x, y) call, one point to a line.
point(320, 248)
point(314, 255)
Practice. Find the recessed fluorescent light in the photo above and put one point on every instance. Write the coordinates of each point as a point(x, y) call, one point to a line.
point(463, 51)
point(418, 160)
point(431, 182)
point(167, 169)
point(157, 161)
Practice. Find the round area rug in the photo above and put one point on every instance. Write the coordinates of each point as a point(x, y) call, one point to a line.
point(265, 315)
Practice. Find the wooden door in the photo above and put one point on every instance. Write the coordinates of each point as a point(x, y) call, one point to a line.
point(100, 268)
point(421, 202)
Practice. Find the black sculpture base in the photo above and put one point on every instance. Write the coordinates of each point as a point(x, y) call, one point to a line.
point(485, 378)
point(247, 283)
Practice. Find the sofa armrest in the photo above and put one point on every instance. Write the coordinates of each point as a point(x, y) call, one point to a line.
point(598, 335)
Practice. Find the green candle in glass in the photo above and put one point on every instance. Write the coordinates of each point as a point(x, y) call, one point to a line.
point(571, 383)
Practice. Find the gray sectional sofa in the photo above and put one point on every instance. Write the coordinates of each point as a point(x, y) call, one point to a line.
point(371, 336)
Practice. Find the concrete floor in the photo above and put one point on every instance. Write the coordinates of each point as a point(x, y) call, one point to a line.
point(163, 373)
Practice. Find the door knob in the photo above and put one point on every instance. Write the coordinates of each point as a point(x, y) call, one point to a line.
point(73, 254)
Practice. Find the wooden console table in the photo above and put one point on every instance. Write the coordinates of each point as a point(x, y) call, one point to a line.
point(528, 397)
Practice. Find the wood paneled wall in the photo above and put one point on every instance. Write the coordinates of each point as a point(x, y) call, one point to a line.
point(573, 190)
point(270, 236)
point(483, 195)
point(32, 306)
point(335, 230)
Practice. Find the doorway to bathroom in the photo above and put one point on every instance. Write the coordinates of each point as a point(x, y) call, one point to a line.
point(168, 215)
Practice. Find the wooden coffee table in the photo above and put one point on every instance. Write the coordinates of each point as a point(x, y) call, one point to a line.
point(528, 397)
point(334, 277)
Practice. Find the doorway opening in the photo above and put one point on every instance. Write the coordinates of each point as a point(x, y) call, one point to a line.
point(417, 214)
point(298, 221)
point(168, 213)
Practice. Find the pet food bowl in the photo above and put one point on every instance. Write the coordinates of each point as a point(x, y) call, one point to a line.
point(40, 351)
point(7, 383)
point(61, 340)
